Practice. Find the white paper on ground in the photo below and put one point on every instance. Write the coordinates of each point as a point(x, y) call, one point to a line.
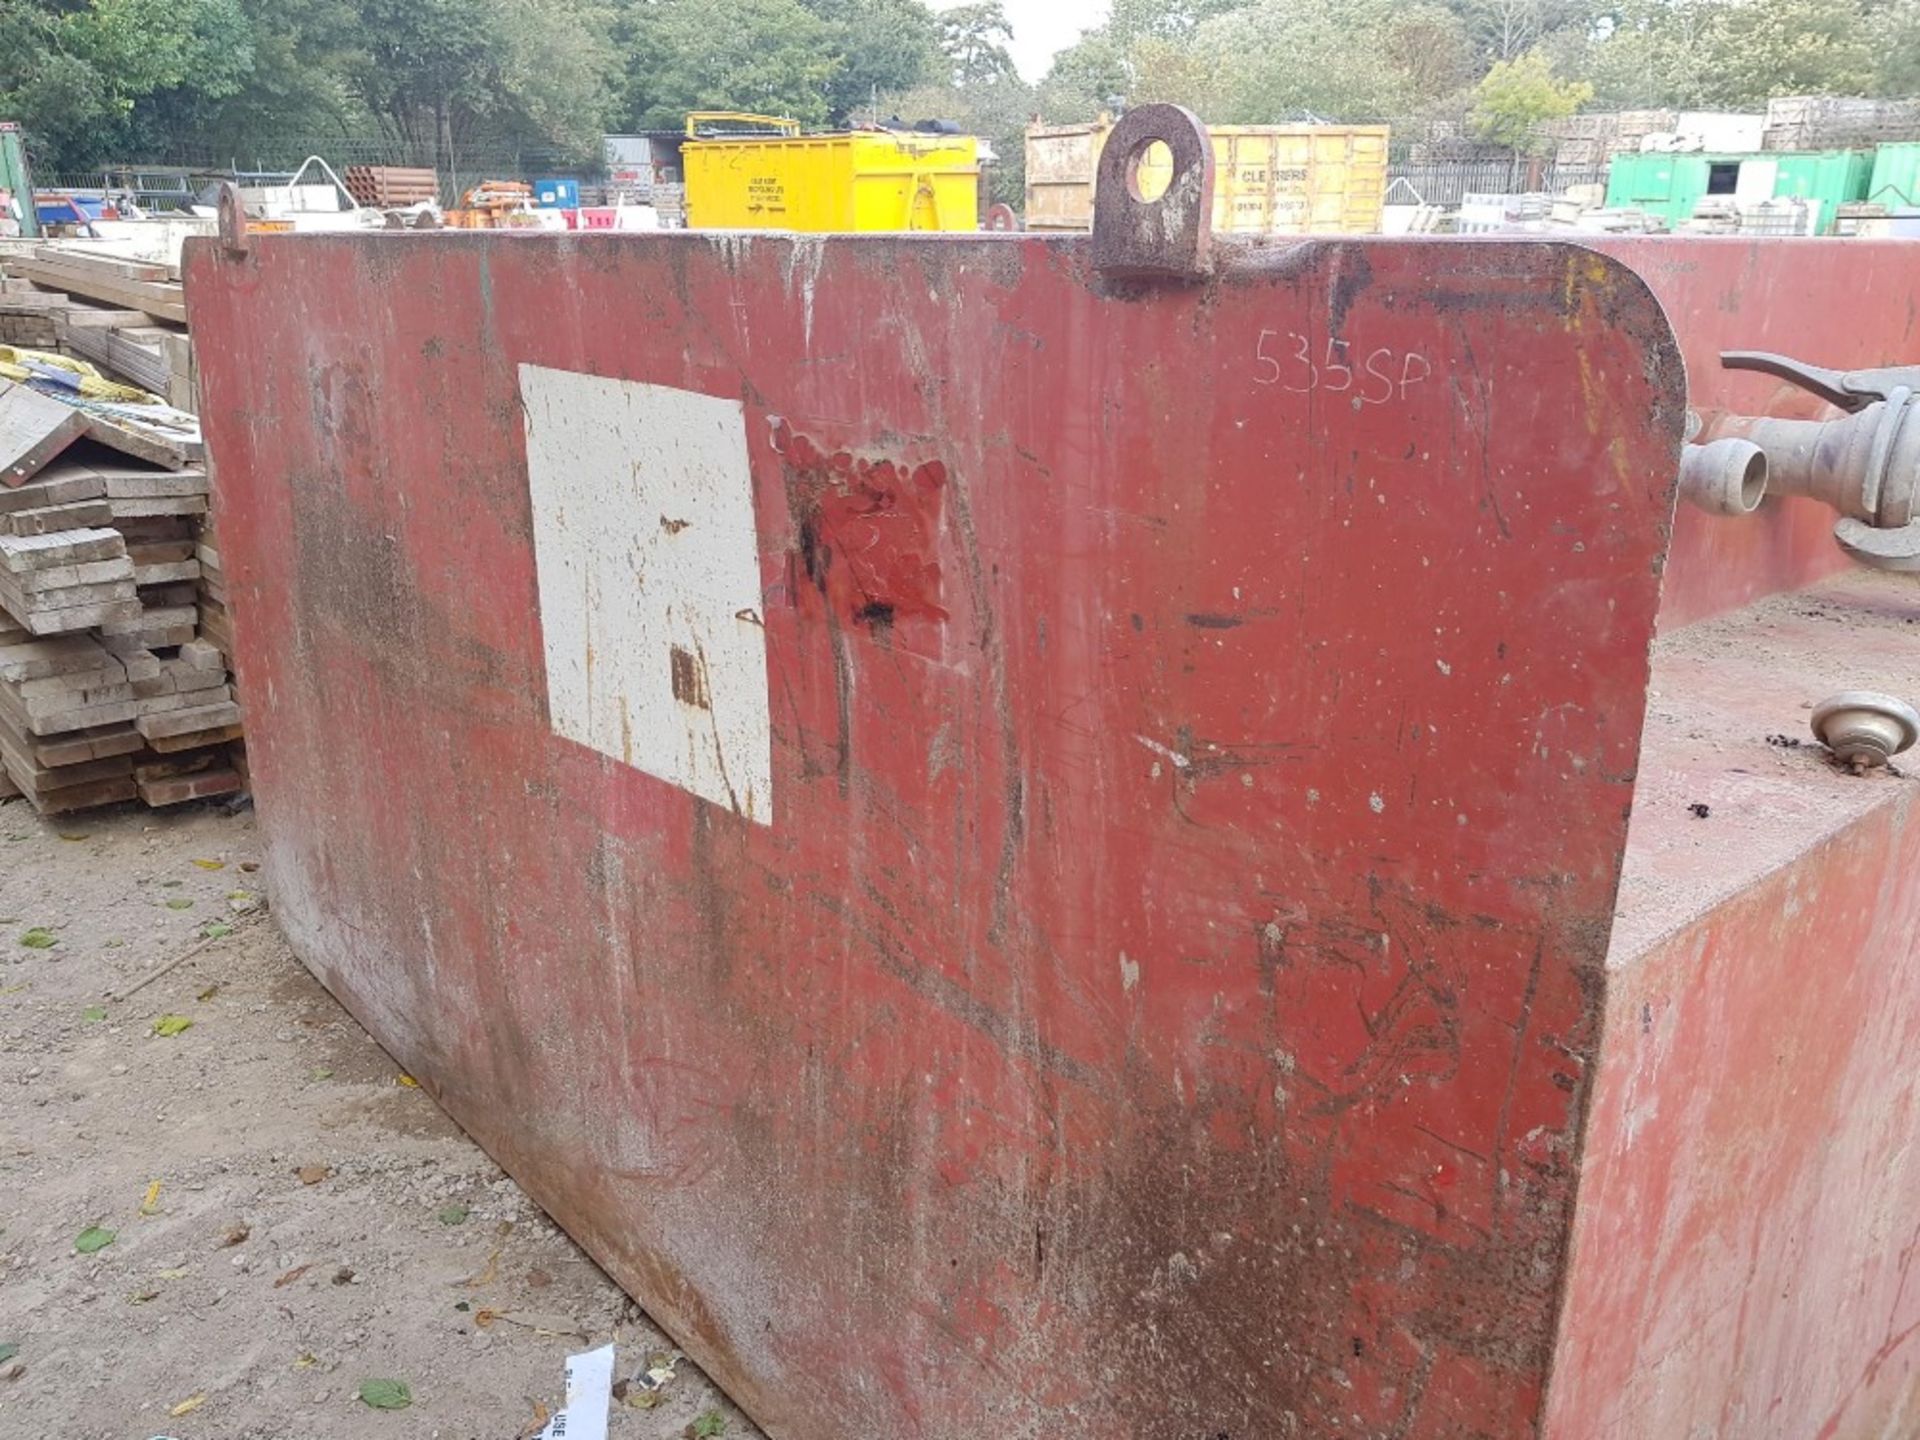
point(589, 1393)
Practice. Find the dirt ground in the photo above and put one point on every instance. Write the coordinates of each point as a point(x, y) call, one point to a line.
point(289, 1218)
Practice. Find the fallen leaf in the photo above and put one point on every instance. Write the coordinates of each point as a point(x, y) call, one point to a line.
point(39, 938)
point(94, 1012)
point(7, 1351)
point(211, 864)
point(648, 1388)
point(539, 1279)
point(462, 1306)
point(406, 1080)
point(180, 902)
point(313, 1174)
point(171, 884)
point(291, 1276)
point(208, 993)
point(170, 1274)
point(707, 1424)
point(170, 1025)
point(141, 1297)
point(386, 1394)
point(453, 1215)
point(215, 930)
point(187, 1406)
point(321, 1072)
point(305, 1360)
point(151, 1204)
point(72, 837)
point(93, 1239)
point(236, 1235)
point(538, 1423)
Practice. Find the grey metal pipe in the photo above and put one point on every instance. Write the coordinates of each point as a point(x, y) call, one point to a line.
point(1864, 465)
point(1726, 477)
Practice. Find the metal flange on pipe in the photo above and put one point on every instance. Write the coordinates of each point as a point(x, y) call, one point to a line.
point(1865, 464)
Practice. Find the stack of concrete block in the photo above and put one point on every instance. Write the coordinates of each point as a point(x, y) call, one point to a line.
point(111, 693)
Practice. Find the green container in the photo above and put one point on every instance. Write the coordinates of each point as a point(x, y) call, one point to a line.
point(1833, 177)
point(1669, 186)
point(1672, 186)
point(1895, 182)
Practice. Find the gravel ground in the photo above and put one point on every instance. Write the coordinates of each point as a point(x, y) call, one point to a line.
point(289, 1218)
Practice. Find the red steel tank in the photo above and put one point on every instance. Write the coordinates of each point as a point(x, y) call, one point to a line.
point(1119, 836)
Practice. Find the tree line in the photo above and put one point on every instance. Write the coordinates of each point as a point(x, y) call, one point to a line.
point(121, 80)
point(1497, 66)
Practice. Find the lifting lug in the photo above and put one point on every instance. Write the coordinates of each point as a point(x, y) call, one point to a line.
point(1167, 237)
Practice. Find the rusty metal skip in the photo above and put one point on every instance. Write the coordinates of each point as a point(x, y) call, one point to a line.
point(1019, 836)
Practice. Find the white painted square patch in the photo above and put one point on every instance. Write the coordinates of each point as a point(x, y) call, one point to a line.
point(649, 574)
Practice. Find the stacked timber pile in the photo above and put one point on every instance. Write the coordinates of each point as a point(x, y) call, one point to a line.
point(671, 202)
point(115, 655)
point(1827, 122)
point(1590, 141)
point(127, 316)
point(108, 689)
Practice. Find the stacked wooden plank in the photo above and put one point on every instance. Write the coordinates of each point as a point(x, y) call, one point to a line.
point(216, 626)
point(126, 316)
point(26, 315)
point(152, 289)
point(66, 707)
point(54, 584)
point(115, 642)
point(391, 187)
point(108, 689)
point(33, 429)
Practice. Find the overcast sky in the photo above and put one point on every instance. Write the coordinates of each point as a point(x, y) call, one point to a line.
point(1042, 27)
